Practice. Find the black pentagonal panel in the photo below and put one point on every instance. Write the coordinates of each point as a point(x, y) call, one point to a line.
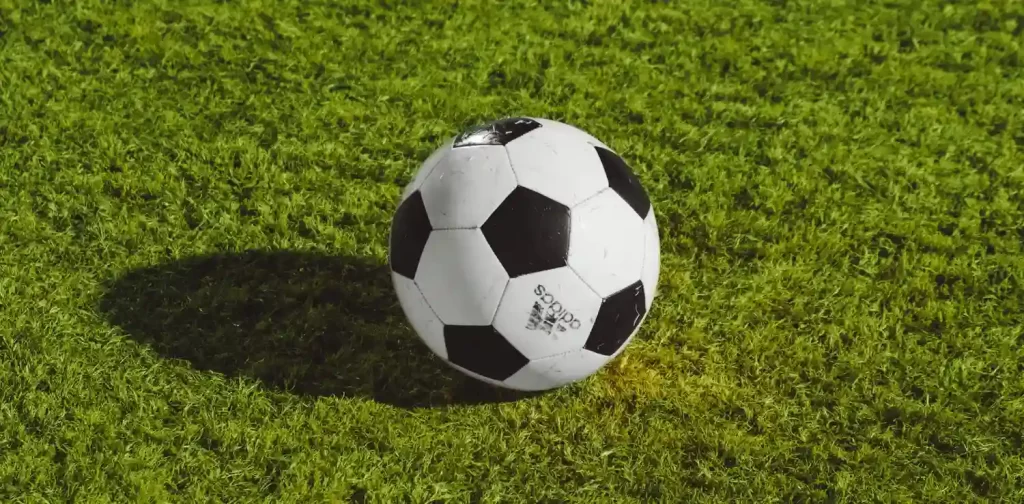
point(482, 350)
point(529, 232)
point(619, 315)
point(410, 229)
point(499, 132)
point(623, 181)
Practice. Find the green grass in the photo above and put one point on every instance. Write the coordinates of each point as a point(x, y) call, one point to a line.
point(194, 205)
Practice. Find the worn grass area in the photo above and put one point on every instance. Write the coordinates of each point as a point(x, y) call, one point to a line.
point(840, 187)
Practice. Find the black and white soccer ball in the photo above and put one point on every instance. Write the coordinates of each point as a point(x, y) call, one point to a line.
point(525, 253)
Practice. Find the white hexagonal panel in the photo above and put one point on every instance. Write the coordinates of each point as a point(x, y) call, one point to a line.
point(460, 277)
point(422, 319)
point(652, 259)
point(426, 167)
point(559, 165)
point(556, 371)
point(467, 184)
point(606, 244)
point(547, 313)
point(572, 131)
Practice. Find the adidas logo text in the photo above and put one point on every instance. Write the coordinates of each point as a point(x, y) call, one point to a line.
point(548, 314)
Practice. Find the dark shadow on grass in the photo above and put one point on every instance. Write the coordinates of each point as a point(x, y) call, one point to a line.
point(305, 323)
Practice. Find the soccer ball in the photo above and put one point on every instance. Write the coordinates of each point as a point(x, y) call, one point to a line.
point(525, 253)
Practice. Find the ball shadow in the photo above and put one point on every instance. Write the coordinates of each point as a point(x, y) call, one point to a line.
point(305, 323)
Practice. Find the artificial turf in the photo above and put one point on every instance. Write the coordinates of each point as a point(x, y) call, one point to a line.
point(195, 198)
